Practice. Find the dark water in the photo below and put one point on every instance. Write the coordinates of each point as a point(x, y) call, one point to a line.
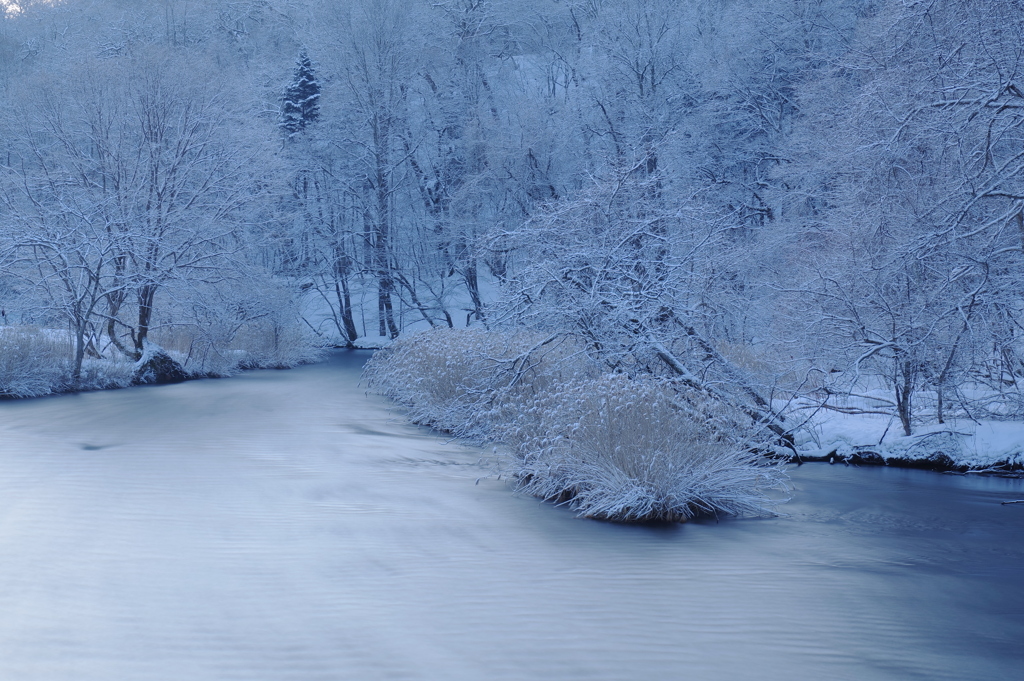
point(283, 525)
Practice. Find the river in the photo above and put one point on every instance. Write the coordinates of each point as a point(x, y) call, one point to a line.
point(284, 525)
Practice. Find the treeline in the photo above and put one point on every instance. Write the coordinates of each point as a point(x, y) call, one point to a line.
point(816, 201)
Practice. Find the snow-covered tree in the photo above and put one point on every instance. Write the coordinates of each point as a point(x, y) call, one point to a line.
point(916, 181)
point(635, 281)
point(301, 103)
point(158, 171)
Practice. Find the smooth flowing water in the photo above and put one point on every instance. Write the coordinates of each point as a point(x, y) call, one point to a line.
point(284, 525)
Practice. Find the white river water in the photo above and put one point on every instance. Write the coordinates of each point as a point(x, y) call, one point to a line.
point(286, 526)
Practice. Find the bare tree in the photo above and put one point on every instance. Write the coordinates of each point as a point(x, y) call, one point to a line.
point(58, 243)
point(154, 169)
point(918, 253)
point(635, 282)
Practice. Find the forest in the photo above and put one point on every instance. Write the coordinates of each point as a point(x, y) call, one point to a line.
point(567, 219)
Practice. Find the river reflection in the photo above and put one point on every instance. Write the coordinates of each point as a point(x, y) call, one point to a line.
point(284, 525)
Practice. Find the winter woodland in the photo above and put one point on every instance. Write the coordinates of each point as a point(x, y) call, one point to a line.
point(638, 242)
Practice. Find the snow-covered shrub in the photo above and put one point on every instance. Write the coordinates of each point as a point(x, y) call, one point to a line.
point(114, 371)
point(465, 381)
point(638, 449)
point(33, 362)
point(226, 330)
point(271, 344)
point(225, 347)
point(461, 381)
point(199, 348)
point(613, 446)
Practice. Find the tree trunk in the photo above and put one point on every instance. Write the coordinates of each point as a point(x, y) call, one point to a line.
point(905, 395)
point(76, 374)
point(473, 285)
point(348, 324)
point(146, 295)
point(114, 302)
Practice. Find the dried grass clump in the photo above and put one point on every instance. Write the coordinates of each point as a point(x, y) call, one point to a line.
point(271, 344)
point(613, 447)
point(462, 381)
point(34, 362)
point(106, 374)
point(629, 449)
point(225, 347)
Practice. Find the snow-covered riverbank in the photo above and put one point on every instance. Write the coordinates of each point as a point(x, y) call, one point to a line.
point(35, 362)
point(962, 445)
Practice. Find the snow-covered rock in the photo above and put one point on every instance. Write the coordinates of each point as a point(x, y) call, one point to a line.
point(157, 367)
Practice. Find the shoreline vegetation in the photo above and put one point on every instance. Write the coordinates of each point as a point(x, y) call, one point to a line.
point(610, 445)
point(937, 461)
point(37, 362)
point(633, 448)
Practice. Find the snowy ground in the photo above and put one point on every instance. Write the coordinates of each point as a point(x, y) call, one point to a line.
point(983, 445)
point(371, 342)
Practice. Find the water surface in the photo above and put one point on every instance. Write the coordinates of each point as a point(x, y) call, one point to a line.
point(285, 525)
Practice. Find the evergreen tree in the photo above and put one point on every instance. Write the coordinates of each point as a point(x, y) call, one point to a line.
point(301, 105)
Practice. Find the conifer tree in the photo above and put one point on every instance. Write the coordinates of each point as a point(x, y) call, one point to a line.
point(301, 105)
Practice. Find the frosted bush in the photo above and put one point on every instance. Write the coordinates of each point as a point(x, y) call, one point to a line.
point(461, 380)
point(629, 449)
point(36, 362)
point(33, 362)
point(612, 446)
point(106, 374)
point(247, 323)
point(271, 344)
point(441, 379)
point(223, 347)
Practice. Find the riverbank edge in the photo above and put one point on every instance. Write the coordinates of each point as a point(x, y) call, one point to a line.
point(121, 383)
point(938, 462)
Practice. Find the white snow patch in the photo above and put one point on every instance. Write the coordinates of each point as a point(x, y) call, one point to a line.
point(975, 444)
point(371, 342)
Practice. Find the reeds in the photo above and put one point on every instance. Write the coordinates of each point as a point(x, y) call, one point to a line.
point(33, 361)
point(612, 446)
